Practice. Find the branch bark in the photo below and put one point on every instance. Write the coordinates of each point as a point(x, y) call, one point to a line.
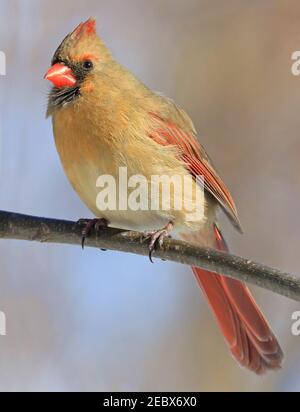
point(32, 228)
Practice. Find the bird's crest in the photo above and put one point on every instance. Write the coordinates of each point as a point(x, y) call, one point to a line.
point(85, 29)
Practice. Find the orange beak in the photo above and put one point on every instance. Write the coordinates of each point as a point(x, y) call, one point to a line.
point(61, 76)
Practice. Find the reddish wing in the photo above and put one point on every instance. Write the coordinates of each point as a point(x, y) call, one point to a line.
point(197, 162)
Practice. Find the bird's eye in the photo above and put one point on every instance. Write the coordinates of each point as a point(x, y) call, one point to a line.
point(88, 65)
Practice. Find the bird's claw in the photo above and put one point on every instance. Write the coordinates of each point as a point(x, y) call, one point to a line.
point(89, 225)
point(157, 238)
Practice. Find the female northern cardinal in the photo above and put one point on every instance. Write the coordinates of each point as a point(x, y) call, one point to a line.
point(104, 118)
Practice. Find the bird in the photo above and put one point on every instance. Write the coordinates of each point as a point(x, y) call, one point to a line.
point(104, 118)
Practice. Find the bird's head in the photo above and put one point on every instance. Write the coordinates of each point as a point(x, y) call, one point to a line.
point(76, 62)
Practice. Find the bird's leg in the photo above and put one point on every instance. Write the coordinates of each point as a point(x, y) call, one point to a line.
point(88, 226)
point(157, 237)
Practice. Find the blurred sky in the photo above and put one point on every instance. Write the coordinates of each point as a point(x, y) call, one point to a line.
point(105, 321)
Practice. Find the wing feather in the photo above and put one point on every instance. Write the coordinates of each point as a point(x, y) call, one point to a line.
point(166, 132)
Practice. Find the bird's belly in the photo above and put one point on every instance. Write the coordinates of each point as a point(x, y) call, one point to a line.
point(94, 172)
point(137, 221)
point(99, 190)
point(109, 196)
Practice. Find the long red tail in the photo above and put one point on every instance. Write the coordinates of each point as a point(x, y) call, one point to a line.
point(244, 327)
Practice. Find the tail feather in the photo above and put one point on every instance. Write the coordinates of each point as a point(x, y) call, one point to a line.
point(244, 327)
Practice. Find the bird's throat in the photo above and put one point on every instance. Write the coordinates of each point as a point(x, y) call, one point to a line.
point(60, 98)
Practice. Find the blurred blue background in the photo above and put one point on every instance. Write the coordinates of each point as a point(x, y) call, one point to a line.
point(91, 320)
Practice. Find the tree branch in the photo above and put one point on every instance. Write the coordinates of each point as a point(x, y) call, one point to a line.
point(23, 227)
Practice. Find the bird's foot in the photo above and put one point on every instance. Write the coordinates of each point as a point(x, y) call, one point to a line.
point(89, 225)
point(157, 238)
